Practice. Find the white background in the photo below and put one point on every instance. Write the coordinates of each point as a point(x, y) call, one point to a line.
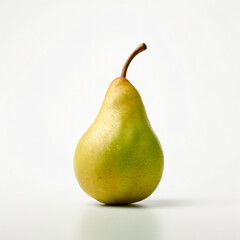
point(57, 59)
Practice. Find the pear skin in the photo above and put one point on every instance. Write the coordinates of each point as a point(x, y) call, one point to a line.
point(119, 160)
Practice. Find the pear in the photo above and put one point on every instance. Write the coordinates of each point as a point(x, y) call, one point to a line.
point(119, 160)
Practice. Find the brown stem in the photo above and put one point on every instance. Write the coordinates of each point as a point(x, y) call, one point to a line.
point(139, 49)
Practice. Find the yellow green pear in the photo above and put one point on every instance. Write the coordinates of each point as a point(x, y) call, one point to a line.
point(119, 160)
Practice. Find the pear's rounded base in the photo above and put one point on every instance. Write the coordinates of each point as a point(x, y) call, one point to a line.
point(126, 201)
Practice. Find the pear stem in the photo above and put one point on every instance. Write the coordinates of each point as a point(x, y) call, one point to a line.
point(139, 49)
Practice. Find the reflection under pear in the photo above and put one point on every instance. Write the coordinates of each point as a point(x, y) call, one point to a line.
point(103, 222)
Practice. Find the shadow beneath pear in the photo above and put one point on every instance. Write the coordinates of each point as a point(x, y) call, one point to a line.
point(155, 203)
point(165, 203)
point(129, 206)
point(118, 222)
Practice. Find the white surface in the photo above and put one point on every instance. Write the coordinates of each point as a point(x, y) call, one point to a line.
point(181, 218)
point(57, 59)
